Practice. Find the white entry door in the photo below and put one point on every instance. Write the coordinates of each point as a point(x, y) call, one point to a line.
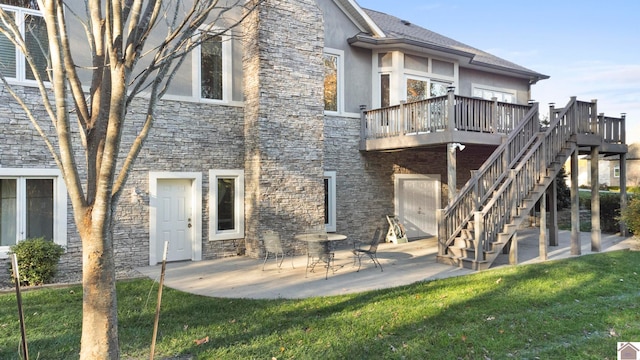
point(417, 197)
point(175, 219)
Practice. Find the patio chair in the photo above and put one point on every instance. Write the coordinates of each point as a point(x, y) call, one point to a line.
point(358, 252)
point(319, 251)
point(273, 245)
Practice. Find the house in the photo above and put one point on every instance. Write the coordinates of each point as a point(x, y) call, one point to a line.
point(338, 116)
point(609, 169)
point(626, 351)
point(632, 168)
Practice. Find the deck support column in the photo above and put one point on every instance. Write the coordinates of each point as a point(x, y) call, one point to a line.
point(575, 206)
point(552, 191)
point(451, 171)
point(542, 241)
point(513, 250)
point(624, 231)
point(596, 241)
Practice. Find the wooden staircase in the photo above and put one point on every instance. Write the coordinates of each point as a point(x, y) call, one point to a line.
point(477, 225)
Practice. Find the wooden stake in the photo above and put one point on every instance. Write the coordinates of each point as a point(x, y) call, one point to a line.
point(155, 323)
point(23, 330)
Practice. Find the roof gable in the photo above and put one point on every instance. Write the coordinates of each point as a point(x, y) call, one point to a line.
point(359, 17)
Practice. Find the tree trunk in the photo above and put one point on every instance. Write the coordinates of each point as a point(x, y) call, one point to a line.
point(99, 303)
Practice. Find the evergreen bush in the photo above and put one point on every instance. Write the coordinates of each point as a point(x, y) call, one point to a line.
point(37, 260)
point(631, 215)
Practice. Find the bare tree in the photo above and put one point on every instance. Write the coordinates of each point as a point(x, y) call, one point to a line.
point(136, 46)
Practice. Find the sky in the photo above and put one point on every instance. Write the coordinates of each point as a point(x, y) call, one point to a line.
point(590, 49)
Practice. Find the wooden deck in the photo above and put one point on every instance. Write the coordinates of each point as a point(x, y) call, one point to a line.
point(483, 216)
point(458, 119)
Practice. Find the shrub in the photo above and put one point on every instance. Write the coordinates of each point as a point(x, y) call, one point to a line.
point(37, 260)
point(609, 212)
point(633, 189)
point(631, 215)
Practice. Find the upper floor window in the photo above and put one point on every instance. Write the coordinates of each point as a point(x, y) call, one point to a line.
point(421, 89)
point(31, 25)
point(213, 68)
point(488, 93)
point(410, 77)
point(333, 80)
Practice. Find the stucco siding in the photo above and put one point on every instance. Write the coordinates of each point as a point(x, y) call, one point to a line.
point(469, 77)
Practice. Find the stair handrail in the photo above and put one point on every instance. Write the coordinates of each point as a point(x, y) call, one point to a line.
point(471, 196)
point(537, 159)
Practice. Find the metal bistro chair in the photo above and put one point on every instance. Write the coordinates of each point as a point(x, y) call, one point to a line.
point(319, 250)
point(358, 252)
point(273, 245)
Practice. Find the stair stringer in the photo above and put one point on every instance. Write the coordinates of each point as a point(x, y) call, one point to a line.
point(465, 253)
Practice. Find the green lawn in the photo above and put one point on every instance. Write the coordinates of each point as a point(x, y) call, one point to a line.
point(569, 309)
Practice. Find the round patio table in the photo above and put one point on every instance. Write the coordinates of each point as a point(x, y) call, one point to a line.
point(317, 237)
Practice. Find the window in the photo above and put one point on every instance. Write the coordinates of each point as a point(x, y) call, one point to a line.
point(488, 93)
point(226, 204)
point(213, 59)
point(33, 203)
point(416, 90)
point(616, 171)
point(330, 200)
point(421, 88)
point(385, 90)
point(332, 60)
point(31, 24)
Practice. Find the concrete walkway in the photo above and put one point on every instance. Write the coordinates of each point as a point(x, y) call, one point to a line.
point(243, 277)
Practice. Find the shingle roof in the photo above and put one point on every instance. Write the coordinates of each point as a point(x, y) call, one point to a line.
point(395, 28)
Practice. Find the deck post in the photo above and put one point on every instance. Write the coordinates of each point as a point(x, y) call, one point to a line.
point(595, 201)
point(442, 232)
point(624, 231)
point(623, 128)
point(451, 171)
point(402, 126)
point(576, 248)
point(478, 230)
point(451, 109)
point(553, 215)
point(593, 118)
point(495, 117)
point(363, 127)
point(542, 240)
point(513, 250)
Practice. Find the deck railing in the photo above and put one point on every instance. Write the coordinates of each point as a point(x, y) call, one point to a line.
point(534, 164)
point(443, 113)
point(612, 129)
point(453, 218)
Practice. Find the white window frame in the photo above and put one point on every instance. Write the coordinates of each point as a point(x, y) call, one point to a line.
point(398, 76)
point(238, 230)
point(21, 61)
point(503, 91)
point(340, 81)
point(616, 171)
point(227, 69)
point(331, 224)
point(428, 80)
point(59, 203)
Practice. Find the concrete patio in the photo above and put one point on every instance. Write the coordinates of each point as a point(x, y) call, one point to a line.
point(243, 277)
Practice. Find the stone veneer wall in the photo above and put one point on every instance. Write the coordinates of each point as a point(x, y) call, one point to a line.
point(186, 137)
point(284, 162)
